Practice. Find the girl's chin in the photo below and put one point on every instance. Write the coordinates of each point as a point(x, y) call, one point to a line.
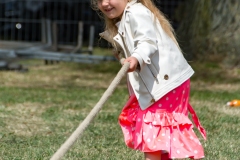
point(111, 16)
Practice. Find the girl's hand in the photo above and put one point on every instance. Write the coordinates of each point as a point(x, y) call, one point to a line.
point(133, 63)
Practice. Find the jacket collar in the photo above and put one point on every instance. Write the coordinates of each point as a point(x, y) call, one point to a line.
point(122, 22)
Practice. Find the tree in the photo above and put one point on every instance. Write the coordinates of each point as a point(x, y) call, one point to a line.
point(211, 27)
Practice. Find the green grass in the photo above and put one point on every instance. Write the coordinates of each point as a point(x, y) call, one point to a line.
point(40, 109)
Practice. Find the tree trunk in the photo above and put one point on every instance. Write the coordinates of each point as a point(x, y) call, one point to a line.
point(211, 27)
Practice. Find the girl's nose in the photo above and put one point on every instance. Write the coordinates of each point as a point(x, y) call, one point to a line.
point(105, 2)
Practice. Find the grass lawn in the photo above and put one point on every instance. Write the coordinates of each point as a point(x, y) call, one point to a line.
point(39, 110)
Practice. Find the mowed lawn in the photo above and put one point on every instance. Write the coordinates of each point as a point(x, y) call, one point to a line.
point(39, 110)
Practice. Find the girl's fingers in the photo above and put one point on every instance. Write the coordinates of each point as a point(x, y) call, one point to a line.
point(133, 63)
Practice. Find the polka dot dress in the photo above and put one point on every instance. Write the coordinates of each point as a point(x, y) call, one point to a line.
point(164, 126)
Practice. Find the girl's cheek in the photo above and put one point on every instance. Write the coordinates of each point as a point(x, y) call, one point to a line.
point(99, 5)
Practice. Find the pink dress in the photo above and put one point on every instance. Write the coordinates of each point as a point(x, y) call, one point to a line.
point(164, 126)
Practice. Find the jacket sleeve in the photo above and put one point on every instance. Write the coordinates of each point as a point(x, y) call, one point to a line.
point(141, 24)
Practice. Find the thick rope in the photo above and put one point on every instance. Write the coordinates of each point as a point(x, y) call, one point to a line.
point(77, 133)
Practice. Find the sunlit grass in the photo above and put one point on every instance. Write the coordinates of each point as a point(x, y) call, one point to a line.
point(39, 110)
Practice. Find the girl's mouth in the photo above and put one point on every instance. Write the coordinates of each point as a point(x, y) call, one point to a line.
point(108, 10)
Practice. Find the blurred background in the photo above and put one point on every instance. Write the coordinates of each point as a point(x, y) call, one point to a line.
point(52, 29)
point(206, 29)
point(22, 20)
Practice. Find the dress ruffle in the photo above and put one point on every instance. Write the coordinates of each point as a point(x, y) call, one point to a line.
point(159, 129)
point(164, 119)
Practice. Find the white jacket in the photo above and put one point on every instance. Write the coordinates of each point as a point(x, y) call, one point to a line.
point(162, 65)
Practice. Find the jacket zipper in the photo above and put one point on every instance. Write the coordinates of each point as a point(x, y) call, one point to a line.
point(145, 85)
point(156, 79)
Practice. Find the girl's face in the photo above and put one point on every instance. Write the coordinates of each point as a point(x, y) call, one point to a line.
point(112, 8)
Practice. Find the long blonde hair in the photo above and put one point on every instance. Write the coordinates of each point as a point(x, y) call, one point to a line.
point(112, 28)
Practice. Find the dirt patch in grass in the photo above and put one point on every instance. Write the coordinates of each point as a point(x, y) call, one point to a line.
point(58, 75)
point(229, 87)
point(24, 119)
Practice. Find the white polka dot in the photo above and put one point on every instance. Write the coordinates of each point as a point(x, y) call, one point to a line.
point(159, 140)
point(150, 126)
point(160, 105)
point(199, 143)
point(154, 136)
point(170, 105)
point(177, 98)
point(183, 92)
point(144, 133)
point(148, 140)
point(139, 119)
point(182, 144)
point(167, 98)
point(174, 91)
point(163, 134)
point(178, 151)
point(169, 137)
point(154, 122)
point(133, 128)
point(187, 156)
point(184, 100)
point(191, 137)
point(137, 134)
point(154, 146)
point(158, 116)
point(127, 132)
point(174, 139)
point(195, 151)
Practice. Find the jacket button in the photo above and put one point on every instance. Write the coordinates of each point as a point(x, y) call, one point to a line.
point(166, 77)
point(128, 7)
point(116, 38)
point(152, 101)
point(122, 33)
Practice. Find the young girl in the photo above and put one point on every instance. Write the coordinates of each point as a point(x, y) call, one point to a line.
point(155, 118)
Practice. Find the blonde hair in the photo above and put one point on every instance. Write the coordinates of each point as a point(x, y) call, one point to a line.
point(113, 30)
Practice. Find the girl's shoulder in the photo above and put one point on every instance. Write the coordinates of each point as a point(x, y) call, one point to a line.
point(137, 8)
